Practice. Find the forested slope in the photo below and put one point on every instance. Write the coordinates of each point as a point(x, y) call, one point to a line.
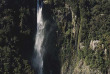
point(17, 30)
point(83, 35)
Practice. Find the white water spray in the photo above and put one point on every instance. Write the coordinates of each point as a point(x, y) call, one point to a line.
point(38, 48)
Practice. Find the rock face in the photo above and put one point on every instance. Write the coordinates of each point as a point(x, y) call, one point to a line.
point(81, 46)
point(94, 44)
point(77, 25)
point(109, 71)
point(82, 68)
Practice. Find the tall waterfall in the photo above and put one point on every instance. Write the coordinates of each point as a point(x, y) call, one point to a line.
point(38, 48)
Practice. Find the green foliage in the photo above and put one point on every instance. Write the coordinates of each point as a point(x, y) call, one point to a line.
point(11, 61)
point(92, 22)
point(95, 59)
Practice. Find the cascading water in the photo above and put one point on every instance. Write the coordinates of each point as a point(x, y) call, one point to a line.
point(49, 64)
point(38, 48)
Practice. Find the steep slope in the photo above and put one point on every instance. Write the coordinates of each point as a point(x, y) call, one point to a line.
point(17, 29)
point(83, 35)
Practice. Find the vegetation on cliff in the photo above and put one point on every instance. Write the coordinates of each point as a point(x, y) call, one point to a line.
point(83, 35)
point(80, 22)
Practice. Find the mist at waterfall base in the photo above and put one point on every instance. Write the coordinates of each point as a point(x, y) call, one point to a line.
point(45, 56)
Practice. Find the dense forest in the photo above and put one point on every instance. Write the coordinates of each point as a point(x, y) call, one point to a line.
point(17, 28)
point(81, 36)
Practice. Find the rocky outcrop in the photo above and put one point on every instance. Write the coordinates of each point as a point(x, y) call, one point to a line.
point(109, 71)
point(75, 32)
point(82, 68)
point(94, 44)
point(81, 46)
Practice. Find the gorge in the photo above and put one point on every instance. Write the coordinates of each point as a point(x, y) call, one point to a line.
point(54, 36)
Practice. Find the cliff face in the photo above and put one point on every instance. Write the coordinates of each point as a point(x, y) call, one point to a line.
point(79, 23)
point(82, 68)
point(78, 39)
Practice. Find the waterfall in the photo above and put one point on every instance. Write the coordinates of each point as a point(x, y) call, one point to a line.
point(38, 48)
